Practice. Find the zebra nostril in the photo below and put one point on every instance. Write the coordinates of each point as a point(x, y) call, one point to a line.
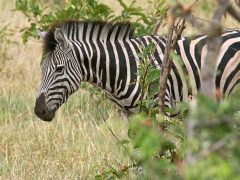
point(43, 112)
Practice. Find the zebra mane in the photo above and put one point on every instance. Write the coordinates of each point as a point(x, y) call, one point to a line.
point(88, 30)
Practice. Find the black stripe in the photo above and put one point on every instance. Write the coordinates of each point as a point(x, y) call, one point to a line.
point(185, 73)
point(122, 66)
point(112, 65)
point(229, 53)
point(229, 79)
point(186, 44)
point(75, 46)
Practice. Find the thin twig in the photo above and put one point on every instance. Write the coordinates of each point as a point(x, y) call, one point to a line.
point(104, 121)
point(187, 15)
point(194, 3)
point(157, 25)
point(233, 12)
point(205, 125)
point(167, 61)
point(165, 70)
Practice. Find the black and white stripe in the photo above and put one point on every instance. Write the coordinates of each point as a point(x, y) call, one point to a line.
point(105, 54)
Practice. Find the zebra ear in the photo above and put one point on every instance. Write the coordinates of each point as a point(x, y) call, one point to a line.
point(41, 33)
point(61, 39)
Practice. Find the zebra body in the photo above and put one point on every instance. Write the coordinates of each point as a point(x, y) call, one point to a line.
point(104, 54)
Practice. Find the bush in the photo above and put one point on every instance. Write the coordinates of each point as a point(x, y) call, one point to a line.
point(38, 16)
point(5, 43)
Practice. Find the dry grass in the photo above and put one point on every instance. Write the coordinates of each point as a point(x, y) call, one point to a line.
point(75, 145)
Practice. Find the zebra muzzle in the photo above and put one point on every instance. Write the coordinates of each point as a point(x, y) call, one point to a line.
point(41, 109)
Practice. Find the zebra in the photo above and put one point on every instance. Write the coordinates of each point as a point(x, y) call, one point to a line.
point(105, 54)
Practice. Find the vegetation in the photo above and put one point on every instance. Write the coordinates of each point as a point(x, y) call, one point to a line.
point(5, 43)
point(78, 143)
point(83, 9)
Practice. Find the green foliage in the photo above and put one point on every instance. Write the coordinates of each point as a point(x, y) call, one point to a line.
point(155, 150)
point(148, 79)
point(214, 138)
point(208, 7)
point(39, 15)
point(203, 146)
point(5, 42)
point(189, 148)
point(74, 9)
point(113, 174)
point(160, 7)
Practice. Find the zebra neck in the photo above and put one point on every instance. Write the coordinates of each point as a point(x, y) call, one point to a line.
point(107, 65)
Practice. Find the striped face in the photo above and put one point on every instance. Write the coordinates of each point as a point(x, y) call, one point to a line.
point(60, 78)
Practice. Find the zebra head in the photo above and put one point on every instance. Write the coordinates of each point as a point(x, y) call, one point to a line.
point(60, 73)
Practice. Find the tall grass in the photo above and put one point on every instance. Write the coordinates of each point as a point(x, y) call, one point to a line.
point(73, 145)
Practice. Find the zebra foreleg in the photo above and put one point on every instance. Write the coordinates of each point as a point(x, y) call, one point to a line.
point(124, 116)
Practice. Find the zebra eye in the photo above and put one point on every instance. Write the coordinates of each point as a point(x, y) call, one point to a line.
point(59, 69)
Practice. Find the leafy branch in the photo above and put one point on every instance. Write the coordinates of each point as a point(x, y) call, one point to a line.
point(38, 15)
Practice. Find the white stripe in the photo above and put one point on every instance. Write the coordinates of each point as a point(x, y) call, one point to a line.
point(233, 82)
point(107, 67)
point(231, 65)
point(189, 68)
point(192, 52)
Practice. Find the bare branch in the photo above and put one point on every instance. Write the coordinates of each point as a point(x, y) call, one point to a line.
point(194, 3)
point(233, 12)
point(237, 3)
point(208, 124)
point(167, 61)
point(165, 70)
point(179, 29)
point(190, 130)
point(214, 44)
point(157, 25)
point(187, 15)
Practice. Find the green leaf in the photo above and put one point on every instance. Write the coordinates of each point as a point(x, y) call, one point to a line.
point(153, 75)
point(131, 133)
point(98, 177)
point(123, 4)
point(122, 142)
